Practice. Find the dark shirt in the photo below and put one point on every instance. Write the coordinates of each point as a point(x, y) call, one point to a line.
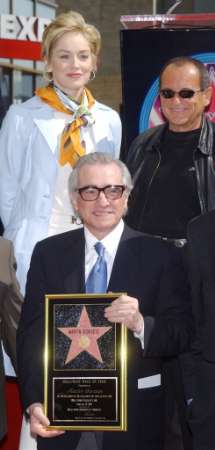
point(172, 198)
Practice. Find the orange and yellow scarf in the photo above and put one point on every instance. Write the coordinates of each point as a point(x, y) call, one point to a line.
point(71, 148)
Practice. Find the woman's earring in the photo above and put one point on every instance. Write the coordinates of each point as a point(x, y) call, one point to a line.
point(92, 75)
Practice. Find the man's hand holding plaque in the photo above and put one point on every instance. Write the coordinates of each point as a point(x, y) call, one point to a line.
point(125, 310)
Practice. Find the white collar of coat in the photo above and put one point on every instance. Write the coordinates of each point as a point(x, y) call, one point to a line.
point(51, 123)
point(52, 127)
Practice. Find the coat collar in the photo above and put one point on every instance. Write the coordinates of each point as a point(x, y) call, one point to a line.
point(123, 260)
point(206, 139)
point(72, 259)
point(51, 128)
point(73, 267)
point(157, 134)
point(51, 123)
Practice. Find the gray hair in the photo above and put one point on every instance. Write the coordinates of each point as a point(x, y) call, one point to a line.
point(181, 61)
point(99, 158)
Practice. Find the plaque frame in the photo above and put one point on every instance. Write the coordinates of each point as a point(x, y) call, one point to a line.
point(90, 385)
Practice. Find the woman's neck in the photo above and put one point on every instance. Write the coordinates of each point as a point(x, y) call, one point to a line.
point(75, 96)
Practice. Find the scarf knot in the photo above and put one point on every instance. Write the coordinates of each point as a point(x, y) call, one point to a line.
point(71, 147)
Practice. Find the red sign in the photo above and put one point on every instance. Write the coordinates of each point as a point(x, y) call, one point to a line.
point(20, 37)
point(12, 48)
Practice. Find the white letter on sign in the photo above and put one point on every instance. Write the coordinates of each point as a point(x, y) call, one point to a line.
point(42, 23)
point(9, 26)
point(27, 31)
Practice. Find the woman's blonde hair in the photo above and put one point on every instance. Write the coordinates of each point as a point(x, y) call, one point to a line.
point(67, 22)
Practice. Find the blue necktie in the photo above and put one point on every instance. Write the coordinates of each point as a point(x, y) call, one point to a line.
point(96, 283)
point(97, 279)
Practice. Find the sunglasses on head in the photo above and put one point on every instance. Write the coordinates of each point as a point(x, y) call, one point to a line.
point(183, 93)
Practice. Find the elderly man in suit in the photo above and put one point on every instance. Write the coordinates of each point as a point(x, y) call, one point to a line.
point(201, 245)
point(155, 308)
point(10, 308)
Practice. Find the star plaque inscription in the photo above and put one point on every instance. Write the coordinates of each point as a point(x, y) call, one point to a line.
point(85, 364)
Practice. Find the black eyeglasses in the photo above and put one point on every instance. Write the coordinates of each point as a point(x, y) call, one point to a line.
point(91, 193)
point(183, 93)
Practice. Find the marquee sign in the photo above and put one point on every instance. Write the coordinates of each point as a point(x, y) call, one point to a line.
point(20, 36)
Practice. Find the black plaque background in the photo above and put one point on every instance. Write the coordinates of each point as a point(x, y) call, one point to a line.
point(84, 365)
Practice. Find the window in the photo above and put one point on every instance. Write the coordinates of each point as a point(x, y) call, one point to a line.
point(23, 7)
point(5, 7)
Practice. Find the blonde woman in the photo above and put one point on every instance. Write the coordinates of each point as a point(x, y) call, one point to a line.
point(42, 138)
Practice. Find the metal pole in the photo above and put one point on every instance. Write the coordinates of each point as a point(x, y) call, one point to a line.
point(154, 7)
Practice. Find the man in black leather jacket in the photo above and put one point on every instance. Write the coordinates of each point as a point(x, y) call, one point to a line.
point(144, 155)
point(172, 166)
point(151, 162)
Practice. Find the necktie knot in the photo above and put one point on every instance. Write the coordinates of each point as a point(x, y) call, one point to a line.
point(100, 249)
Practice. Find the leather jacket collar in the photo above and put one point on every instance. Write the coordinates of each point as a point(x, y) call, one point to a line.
point(206, 137)
point(205, 144)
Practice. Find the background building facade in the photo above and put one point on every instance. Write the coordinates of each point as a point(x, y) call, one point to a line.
point(19, 77)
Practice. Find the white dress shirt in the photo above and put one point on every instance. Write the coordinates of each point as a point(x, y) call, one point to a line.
point(111, 243)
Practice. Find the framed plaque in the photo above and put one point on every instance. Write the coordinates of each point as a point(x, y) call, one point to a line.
point(85, 364)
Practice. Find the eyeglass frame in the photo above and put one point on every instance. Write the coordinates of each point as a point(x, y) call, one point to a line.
point(99, 190)
point(174, 93)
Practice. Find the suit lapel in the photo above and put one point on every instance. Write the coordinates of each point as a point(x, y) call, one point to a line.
point(124, 260)
point(73, 267)
point(73, 263)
